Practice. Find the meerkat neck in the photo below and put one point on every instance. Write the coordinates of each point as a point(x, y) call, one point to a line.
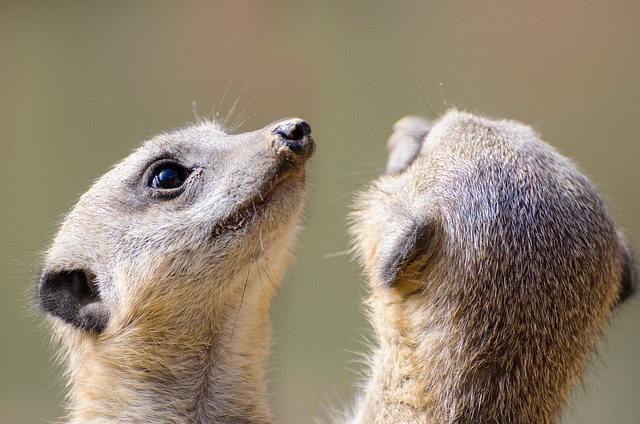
point(427, 371)
point(397, 390)
point(204, 366)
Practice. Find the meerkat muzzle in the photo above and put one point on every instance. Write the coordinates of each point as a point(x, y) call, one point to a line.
point(293, 139)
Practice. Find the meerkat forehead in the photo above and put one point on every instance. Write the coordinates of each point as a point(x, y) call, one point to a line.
point(485, 194)
point(196, 203)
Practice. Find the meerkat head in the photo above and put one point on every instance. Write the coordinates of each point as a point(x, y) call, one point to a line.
point(488, 197)
point(183, 215)
point(493, 264)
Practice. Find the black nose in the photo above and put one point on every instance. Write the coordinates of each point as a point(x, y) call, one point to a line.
point(295, 135)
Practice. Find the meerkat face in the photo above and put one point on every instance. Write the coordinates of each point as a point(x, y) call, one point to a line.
point(484, 204)
point(194, 206)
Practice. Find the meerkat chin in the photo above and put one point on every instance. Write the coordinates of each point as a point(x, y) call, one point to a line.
point(493, 265)
point(159, 281)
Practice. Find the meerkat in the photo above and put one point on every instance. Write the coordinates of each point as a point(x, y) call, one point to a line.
point(493, 265)
point(159, 281)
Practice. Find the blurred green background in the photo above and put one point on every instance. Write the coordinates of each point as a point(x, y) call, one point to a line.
point(82, 83)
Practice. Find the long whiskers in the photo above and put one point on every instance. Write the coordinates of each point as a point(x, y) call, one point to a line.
point(244, 290)
point(231, 121)
point(338, 254)
point(272, 282)
point(194, 109)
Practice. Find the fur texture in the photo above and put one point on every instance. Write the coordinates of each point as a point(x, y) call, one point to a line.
point(160, 295)
point(493, 265)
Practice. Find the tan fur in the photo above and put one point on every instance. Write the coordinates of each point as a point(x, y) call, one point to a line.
point(493, 265)
point(186, 282)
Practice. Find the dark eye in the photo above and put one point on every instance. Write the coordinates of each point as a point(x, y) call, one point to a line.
point(167, 176)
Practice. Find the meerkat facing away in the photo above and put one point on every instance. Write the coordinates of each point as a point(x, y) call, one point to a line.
point(493, 265)
point(160, 279)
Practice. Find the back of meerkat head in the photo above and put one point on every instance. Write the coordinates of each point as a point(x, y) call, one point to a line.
point(493, 266)
point(159, 255)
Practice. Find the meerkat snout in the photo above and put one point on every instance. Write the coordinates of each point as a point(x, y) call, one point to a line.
point(159, 281)
point(295, 134)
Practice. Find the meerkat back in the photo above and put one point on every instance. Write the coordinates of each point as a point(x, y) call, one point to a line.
point(493, 265)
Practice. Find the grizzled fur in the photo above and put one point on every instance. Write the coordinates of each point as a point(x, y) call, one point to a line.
point(160, 297)
point(493, 266)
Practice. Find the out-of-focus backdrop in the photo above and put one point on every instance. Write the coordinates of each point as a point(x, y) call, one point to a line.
point(82, 83)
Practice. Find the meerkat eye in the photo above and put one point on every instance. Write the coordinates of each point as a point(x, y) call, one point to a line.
point(167, 176)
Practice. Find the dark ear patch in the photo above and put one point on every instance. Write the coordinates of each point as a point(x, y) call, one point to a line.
point(629, 277)
point(410, 255)
point(73, 297)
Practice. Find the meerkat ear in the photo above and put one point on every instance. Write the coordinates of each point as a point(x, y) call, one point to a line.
point(629, 277)
point(410, 254)
point(73, 297)
point(405, 142)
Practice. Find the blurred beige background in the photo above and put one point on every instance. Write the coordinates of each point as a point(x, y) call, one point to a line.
point(82, 83)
